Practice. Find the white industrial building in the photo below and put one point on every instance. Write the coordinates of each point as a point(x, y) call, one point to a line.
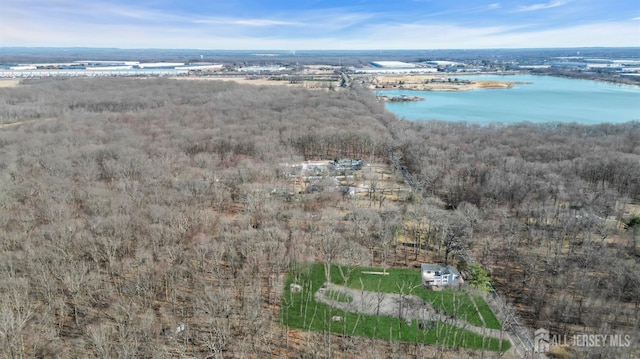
point(393, 64)
point(262, 69)
point(90, 73)
point(95, 68)
point(108, 68)
point(443, 63)
point(104, 63)
point(160, 65)
point(415, 70)
point(203, 67)
point(392, 67)
point(23, 67)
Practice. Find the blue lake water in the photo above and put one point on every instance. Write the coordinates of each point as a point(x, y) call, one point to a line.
point(537, 99)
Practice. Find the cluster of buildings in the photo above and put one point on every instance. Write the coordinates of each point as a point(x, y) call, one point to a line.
point(399, 67)
point(317, 176)
point(624, 68)
point(346, 164)
point(92, 68)
point(618, 67)
point(261, 69)
point(338, 166)
point(393, 67)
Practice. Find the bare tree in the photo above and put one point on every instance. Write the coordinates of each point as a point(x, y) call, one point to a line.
point(330, 245)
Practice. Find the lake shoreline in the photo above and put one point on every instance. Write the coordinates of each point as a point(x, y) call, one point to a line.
point(473, 86)
point(533, 98)
point(401, 98)
point(432, 83)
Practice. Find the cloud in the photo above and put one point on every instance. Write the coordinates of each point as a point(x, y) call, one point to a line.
point(98, 24)
point(306, 26)
point(247, 22)
point(324, 20)
point(265, 22)
point(88, 12)
point(387, 36)
point(540, 6)
point(447, 36)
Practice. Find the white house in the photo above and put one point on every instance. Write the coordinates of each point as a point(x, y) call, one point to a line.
point(436, 275)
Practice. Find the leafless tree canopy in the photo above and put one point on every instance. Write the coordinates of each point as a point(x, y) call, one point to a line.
point(138, 216)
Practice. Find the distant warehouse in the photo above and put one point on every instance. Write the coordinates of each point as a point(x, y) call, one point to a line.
point(569, 64)
point(393, 65)
point(160, 65)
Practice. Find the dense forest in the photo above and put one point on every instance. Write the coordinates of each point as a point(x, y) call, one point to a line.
point(144, 217)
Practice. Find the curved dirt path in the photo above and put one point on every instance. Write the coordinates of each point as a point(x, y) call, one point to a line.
point(15, 124)
point(407, 307)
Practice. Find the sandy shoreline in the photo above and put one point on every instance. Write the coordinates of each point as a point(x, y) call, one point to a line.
point(475, 85)
point(433, 83)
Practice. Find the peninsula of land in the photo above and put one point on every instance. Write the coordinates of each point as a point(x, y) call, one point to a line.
point(401, 98)
point(433, 83)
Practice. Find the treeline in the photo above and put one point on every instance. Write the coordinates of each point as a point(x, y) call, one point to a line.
point(557, 212)
point(506, 165)
point(145, 218)
point(138, 216)
point(600, 74)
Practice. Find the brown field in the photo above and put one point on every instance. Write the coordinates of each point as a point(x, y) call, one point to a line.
point(263, 81)
point(240, 80)
point(9, 82)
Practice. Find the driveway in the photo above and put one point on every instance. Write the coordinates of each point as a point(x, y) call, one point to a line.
point(407, 307)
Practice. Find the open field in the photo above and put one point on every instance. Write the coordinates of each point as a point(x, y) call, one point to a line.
point(264, 81)
point(308, 309)
point(238, 79)
point(409, 281)
point(9, 83)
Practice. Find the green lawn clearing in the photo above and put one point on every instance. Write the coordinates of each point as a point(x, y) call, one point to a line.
point(487, 314)
point(408, 281)
point(301, 310)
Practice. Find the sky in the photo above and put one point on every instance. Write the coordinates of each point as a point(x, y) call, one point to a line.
point(320, 25)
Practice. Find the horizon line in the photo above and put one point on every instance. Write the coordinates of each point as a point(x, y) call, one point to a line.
point(321, 49)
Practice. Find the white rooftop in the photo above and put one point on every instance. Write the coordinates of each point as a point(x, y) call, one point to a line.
point(394, 64)
point(442, 63)
point(160, 64)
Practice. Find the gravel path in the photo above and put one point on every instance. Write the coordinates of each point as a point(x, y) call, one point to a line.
point(395, 305)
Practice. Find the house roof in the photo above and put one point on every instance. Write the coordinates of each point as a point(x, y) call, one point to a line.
point(432, 267)
point(453, 270)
